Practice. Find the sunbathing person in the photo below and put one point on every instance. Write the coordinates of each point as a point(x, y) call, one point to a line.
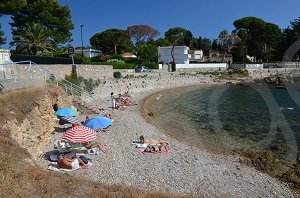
point(128, 102)
point(68, 163)
point(143, 140)
point(157, 148)
point(90, 145)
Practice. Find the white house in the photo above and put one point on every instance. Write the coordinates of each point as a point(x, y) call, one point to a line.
point(89, 52)
point(180, 55)
point(5, 56)
point(184, 57)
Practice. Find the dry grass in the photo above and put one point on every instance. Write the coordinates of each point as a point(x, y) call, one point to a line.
point(20, 179)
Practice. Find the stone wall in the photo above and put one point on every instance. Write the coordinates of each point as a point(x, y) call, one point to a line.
point(87, 71)
point(26, 71)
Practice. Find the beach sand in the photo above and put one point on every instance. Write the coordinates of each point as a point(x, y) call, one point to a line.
point(185, 169)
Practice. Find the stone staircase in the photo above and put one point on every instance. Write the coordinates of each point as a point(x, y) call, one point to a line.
point(16, 76)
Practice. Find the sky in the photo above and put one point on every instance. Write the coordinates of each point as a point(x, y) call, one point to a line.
point(202, 18)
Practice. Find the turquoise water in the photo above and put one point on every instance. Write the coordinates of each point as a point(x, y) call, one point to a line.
point(242, 117)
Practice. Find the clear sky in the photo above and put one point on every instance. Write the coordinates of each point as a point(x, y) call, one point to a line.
point(202, 18)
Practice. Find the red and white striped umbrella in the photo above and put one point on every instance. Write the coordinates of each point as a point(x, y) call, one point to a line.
point(80, 134)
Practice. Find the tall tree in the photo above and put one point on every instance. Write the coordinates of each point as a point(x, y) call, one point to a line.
point(204, 44)
point(147, 52)
point(226, 40)
point(34, 38)
point(214, 45)
point(142, 33)
point(2, 38)
point(260, 37)
point(111, 41)
point(290, 35)
point(55, 18)
point(162, 42)
point(179, 36)
point(8, 7)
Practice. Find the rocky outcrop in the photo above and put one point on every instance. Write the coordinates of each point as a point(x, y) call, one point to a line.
point(32, 133)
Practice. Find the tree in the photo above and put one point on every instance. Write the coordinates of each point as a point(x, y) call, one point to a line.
point(55, 18)
point(260, 38)
point(226, 40)
point(204, 44)
point(290, 35)
point(2, 38)
point(162, 42)
point(179, 36)
point(34, 38)
point(142, 33)
point(111, 41)
point(147, 52)
point(8, 7)
point(214, 45)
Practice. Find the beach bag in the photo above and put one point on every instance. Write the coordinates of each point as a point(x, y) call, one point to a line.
point(84, 159)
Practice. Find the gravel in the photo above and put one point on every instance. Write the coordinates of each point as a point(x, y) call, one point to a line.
point(184, 170)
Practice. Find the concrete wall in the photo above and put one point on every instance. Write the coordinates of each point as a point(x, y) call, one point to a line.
point(198, 66)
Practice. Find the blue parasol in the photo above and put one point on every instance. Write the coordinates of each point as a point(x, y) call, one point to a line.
point(98, 123)
point(65, 112)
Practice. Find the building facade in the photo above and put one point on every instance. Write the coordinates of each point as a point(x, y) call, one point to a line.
point(89, 52)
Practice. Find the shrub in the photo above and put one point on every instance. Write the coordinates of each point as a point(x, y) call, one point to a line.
point(104, 58)
point(89, 84)
point(117, 75)
point(117, 56)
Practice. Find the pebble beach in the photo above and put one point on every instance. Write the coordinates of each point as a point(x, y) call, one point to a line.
point(185, 170)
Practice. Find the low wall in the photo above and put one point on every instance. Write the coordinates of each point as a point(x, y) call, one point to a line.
point(87, 71)
point(202, 66)
point(26, 71)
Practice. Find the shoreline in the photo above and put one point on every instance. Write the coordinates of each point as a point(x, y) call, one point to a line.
point(151, 98)
point(184, 170)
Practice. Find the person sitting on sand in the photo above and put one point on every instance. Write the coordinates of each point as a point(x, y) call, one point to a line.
point(73, 164)
point(90, 145)
point(143, 140)
point(157, 148)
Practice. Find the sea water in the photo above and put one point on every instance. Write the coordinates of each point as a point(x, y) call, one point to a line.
point(234, 117)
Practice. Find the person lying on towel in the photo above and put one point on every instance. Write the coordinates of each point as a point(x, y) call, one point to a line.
point(163, 147)
point(73, 164)
point(90, 145)
point(144, 140)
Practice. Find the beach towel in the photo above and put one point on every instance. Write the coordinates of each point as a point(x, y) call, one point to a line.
point(53, 166)
point(161, 152)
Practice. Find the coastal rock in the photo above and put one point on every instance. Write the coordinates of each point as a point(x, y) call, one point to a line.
point(32, 133)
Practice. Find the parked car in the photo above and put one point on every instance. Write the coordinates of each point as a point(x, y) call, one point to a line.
point(140, 69)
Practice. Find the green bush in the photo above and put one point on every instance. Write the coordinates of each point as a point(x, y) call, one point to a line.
point(89, 84)
point(117, 75)
point(116, 56)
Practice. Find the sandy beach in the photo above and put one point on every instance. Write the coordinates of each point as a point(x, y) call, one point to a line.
point(184, 170)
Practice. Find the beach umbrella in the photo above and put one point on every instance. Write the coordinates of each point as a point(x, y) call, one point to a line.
point(65, 112)
point(98, 122)
point(80, 134)
point(70, 119)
